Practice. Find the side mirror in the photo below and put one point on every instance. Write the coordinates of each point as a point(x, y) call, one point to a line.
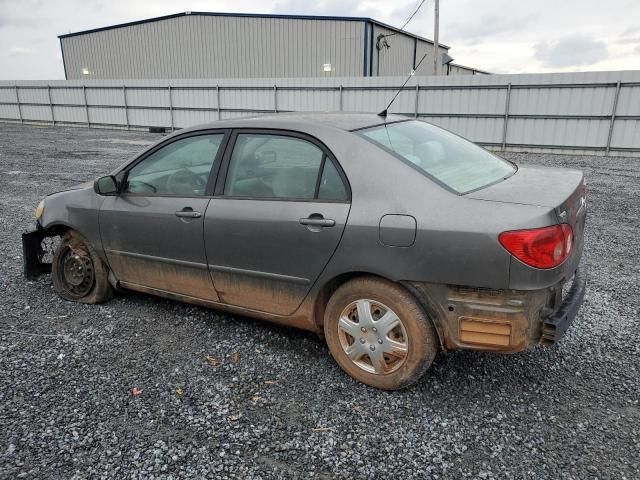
point(106, 185)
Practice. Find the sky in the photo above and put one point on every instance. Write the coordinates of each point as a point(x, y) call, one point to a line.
point(501, 36)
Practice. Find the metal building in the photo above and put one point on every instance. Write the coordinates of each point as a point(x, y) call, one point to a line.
point(229, 45)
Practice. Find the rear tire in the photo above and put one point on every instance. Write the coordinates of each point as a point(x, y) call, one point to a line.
point(379, 334)
point(78, 273)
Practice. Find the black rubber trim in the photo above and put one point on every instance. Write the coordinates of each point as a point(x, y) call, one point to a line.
point(556, 325)
point(33, 267)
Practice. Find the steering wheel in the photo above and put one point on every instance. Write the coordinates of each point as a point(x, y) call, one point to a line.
point(134, 186)
point(185, 181)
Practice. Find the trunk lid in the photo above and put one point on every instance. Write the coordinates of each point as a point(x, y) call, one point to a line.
point(559, 188)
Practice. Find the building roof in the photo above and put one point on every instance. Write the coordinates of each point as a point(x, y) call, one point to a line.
point(254, 15)
point(470, 68)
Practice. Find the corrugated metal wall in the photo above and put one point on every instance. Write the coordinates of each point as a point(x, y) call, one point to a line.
point(395, 60)
point(594, 112)
point(205, 46)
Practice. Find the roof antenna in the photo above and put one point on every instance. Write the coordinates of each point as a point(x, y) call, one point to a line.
point(384, 112)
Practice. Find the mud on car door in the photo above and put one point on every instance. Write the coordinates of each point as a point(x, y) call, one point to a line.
point(152, 230)
point(280, 208)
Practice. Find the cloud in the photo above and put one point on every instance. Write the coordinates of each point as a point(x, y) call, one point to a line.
point(19, 51)
point(628, 40)
point(16, 21)
point(478, 29)
point(350, 8)
point(571, 51)
point(495, 35)
point(631, 31)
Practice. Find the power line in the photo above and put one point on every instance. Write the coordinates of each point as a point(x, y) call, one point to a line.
point(413, 14)
point(408, 19)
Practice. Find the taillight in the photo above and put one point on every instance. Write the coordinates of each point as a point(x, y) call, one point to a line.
point(545, 247)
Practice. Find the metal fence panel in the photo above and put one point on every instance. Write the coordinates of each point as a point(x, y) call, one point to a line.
point(107, 116)
point(259, 100)
point(8, 95)
point(194, 98)
point(228, 114)
point(185, 118)
point(147, 97)
point(67, 96)
point(562, 101)
point(38, 113)
point(626, 134)
point(629, 100)
point(67, 114)
point(9, 112)
point(306, 100)
point(104, 96)
point(33, 95)
point(488, 132)
point(558, 132)
point(146, 117)
point(462, 101)
point(592, 112)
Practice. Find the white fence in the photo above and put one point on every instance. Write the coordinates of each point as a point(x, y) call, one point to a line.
point(593, 112)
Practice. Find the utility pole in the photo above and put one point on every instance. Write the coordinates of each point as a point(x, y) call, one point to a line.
point(436, 28)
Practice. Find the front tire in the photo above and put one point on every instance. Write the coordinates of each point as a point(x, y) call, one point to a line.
point(379, 334)
point(78, 273)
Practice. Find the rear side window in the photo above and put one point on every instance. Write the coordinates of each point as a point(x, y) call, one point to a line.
point(281, 167)
point(331, 184)
point(451, 160)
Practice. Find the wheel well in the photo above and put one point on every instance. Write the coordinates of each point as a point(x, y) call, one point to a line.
point(331, 286)
point(56, 230)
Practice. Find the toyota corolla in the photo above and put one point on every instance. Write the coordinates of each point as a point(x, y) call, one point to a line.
point(391, 237)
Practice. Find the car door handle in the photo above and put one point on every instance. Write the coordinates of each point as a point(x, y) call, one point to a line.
point(317, 222)
point(188, 214)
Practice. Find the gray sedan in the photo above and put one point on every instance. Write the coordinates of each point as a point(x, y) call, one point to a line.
point(391, 237)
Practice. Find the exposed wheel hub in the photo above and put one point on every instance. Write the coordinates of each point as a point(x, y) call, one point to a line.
point(373, 336)
point(78, 273)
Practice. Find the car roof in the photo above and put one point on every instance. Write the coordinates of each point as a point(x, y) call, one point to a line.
point(347, 121)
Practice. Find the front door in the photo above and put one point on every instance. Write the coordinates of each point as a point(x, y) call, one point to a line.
point(152, 230)
point(276, 219)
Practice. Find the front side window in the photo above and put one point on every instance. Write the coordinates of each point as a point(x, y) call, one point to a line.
point(449, 159)
point(281, 167)
point(180, 168)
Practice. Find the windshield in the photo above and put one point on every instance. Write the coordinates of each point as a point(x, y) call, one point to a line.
point(449, 159)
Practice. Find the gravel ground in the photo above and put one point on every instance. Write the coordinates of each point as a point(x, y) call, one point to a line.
point(226, 396)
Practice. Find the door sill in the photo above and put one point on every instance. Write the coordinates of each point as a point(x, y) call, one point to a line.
point(202, 302)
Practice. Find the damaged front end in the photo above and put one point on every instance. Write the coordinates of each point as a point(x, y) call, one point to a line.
point(35, 254)
point(501, 320)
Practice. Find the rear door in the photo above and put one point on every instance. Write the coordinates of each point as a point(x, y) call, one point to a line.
point(280, 208)
point(152, 231)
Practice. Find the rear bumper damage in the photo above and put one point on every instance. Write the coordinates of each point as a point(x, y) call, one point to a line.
point(555, 325)
point(33, 254)
point(500, 320)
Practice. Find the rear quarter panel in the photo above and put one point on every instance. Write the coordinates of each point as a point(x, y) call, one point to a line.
point(456, 239)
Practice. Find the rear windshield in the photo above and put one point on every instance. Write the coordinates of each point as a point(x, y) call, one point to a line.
point(449, 159)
